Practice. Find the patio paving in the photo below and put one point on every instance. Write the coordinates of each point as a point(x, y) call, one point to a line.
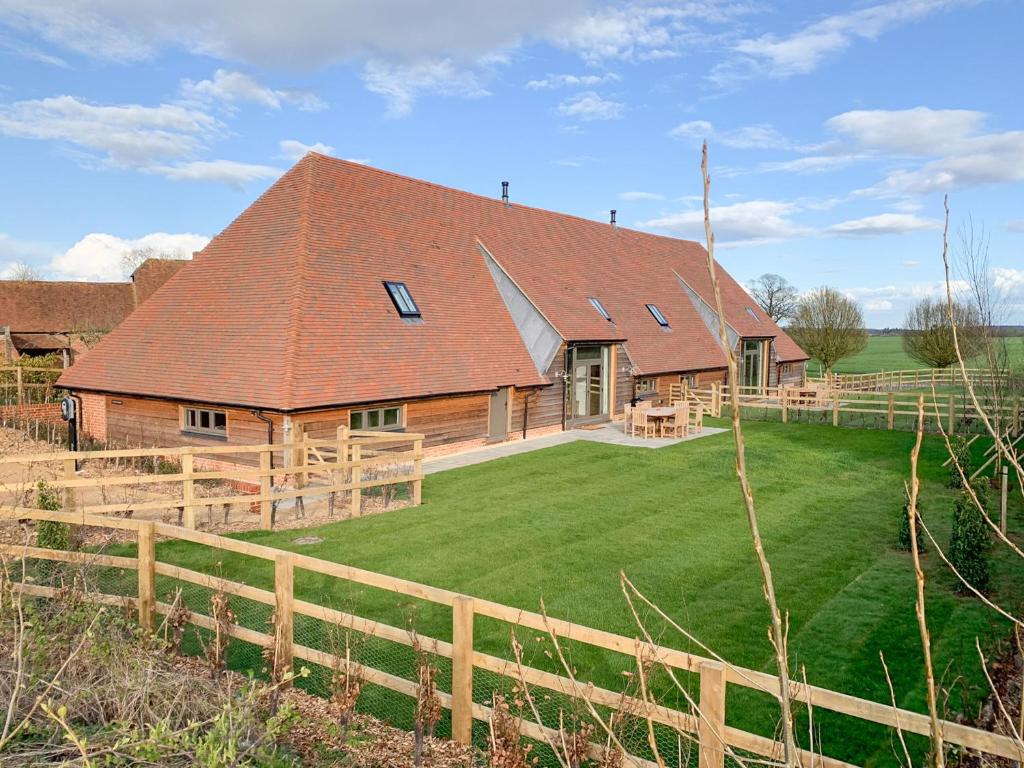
point(607, 433)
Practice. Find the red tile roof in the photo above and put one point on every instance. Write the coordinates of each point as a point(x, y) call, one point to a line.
point(285, 309)
point(44, 306)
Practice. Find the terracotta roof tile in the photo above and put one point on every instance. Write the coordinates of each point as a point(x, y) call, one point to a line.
point(286, 309)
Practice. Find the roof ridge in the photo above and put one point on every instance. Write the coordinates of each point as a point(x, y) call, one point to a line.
point(295, 303)
point(495, 201)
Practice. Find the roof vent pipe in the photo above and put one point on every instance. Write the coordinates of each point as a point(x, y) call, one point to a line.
point(613, 217)
point(504, 192)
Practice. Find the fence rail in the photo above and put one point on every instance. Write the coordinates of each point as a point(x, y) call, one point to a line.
point(917, 378)
point(24, 385)
point(350, 463)
point(954, 413)
point(707, 725)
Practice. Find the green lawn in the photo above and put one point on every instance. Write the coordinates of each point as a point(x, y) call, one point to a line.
point(559, 524)
point(885, 353)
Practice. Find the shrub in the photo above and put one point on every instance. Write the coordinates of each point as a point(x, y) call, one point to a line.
point(961, 452)
point(970, 542)
point(49, 533)
point(904, 538)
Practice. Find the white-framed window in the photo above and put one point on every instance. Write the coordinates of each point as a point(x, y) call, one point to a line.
point(689, 379)
point(206, 421)
point(376, 419)
point(646, 386)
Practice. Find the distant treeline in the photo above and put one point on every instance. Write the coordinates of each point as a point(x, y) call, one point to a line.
point(1000, 330)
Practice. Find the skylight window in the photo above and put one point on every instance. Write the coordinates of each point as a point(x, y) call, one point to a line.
point(656, 313)
point(600, 308)
point(402, 299)
point(753, 314)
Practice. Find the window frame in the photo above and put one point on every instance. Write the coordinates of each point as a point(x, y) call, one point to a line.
point(380, 411)
point(658, 315)
point(197, 428)
point(401, 297)
point(646, 385)
point(601, 310)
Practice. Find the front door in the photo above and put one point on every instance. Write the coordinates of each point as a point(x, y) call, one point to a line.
point(588, 383)
point(498, 421)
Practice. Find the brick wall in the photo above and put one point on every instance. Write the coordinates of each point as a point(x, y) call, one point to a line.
point(94, 416)
point(45, 412)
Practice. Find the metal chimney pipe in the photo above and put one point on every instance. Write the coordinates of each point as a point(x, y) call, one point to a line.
point(504, 192)
point(613, 217)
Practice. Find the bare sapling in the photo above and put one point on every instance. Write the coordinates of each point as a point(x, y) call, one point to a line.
point(223, 618)
point(346, 686)
point(428, 705)
point(505, 739)
point(778, 633)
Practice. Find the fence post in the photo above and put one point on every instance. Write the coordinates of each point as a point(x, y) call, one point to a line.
point(891, 416)
point(188, 491)
point(835, 409)
point(952, 415)
point(70, 465)
point(785, 405)
point(301, 455)
point(357, 478)
point(147, 575)
point(266, 488)
point(417, 469)
point(1016, 416)
point(711, 728)
point(1004, 486)
point(284, 614)
point(462, 669)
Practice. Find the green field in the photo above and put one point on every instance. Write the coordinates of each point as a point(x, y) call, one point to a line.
point(885, 353)
point(559, 524)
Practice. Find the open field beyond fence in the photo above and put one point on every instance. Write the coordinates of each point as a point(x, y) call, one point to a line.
point(885, 353)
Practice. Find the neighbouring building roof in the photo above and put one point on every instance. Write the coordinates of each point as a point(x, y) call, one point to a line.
point(286, 309)
point(52, 306)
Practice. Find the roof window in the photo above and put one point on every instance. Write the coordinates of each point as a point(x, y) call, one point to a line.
point(753, 314)
point(596, 304)
point(656, 314)
point(402, 299)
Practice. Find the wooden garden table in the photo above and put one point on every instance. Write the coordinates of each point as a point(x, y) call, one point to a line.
point(660, 414)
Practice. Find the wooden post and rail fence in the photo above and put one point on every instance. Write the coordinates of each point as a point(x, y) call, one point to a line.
point(954, 413)
point(914, 378)
point(708, 725)
point(319, 468)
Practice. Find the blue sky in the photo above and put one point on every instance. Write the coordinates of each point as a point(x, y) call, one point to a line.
point(834, 127)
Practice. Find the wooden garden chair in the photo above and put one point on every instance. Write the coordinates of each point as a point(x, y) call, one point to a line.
point(627, 418)
point(677, 425)
point(696, 422)
point(641, 423)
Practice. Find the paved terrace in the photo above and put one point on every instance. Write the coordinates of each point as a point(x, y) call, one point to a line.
point(607, 433)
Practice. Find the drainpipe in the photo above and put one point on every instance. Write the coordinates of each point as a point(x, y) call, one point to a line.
point(270, 431)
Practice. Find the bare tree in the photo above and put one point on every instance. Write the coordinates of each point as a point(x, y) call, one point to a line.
point(777, 297)
point(828, 326)
point(24, 272)
point(136, 256)
point(928, 335)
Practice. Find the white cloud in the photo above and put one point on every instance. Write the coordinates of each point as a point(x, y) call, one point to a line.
point(128, 135)
point(572, 81)
point(878, 305)
point(400, 84)
point(98, 256)
point(751, 222)
point(228, 172)
point(588, 106)
point(760, 136)
point(811, 164)
point(640, 196)
point(639, 31)
point(804, 50)
point(883, 224)
point(965, 156)
point(1009, 283)
point(295, 35)
point(1014, 225)
point(230, 87)
point(17, 251)
point(293, 150)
